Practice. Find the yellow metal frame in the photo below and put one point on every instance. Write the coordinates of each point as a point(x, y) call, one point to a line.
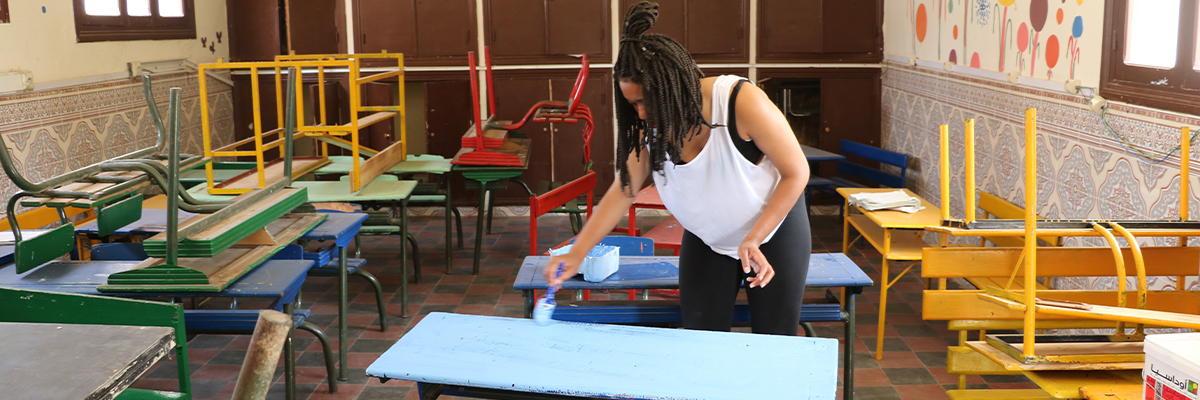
point(363, 172)
point(1026, 303)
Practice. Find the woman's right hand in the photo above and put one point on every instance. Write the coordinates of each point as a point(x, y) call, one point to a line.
point(571, 264)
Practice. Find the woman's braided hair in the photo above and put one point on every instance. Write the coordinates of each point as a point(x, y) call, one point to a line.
point(670, 83)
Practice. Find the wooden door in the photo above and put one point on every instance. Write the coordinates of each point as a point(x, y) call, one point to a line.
point(254, 33)
point(792, 31)
point(789, 27)
point(568, 139)
point(516, 92)
point(850, 109)
point(447, 117)
point(578, 27)
point(312, 27)
point(445, 30)
point(717, 30)
point(385, 25)
point(516, 29)
point(378, 136)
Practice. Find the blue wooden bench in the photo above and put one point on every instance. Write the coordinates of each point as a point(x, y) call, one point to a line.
point(850, 169)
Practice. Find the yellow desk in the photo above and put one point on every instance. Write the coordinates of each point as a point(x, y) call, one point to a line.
point(877, 227)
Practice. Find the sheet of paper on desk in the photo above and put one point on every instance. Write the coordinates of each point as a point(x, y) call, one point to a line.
point(7, 238)
point(897, 200)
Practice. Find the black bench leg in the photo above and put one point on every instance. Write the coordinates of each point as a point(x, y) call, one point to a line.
point(412, 240)
point(808, 329)
point(329, 363)
point(357, 246)
point(378, 297)
point(458, 221)
point(430, 391)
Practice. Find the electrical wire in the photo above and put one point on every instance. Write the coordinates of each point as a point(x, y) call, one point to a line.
point(1133, 150)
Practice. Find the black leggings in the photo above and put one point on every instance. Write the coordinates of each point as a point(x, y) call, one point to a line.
point(709, 281)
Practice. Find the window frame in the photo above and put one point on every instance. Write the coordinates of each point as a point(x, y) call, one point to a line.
point(1130, 84)
point(90, 28)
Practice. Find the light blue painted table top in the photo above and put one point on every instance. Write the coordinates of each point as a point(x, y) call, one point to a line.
point(610, 361)
point(654, 272)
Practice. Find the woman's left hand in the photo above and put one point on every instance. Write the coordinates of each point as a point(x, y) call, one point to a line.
point(753, 259)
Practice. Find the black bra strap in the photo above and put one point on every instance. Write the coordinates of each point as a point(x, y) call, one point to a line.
point(746, 147)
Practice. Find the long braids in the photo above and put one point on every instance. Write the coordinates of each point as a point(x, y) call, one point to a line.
point(670, 83)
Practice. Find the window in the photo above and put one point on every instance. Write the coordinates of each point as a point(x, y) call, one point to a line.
point(105, 20)
point(1150, 55)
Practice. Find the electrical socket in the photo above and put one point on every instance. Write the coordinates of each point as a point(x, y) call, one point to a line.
point(1097, 104)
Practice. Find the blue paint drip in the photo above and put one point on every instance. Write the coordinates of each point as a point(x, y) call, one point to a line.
point(43, 9)
point(1077, 27)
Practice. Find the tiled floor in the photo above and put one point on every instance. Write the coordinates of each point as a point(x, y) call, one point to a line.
point(913, 367)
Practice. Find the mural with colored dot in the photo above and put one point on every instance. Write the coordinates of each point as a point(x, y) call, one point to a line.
point(1044, 39)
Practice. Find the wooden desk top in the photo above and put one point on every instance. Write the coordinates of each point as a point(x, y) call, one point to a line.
point(610, 361)
point(67, 361)
point(887, 219)
point(654, 272)
point(341, 165)
point(323, 191)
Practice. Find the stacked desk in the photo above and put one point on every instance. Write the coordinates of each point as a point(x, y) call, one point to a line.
point(278, 280)
point(338, 228)
point(826, 270)
point(894, 234)
point(487, 178)
point(103, 360)
point(341, 165)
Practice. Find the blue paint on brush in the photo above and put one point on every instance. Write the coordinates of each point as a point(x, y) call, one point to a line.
point(545, 305)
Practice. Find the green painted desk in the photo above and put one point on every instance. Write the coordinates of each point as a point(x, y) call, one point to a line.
point(488, 179)
point(421, 164)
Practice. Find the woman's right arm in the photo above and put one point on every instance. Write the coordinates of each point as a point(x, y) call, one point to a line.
point(612, 209)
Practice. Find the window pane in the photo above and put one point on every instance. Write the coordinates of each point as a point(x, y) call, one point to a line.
point(105, 8)
point(170, 8)
point(1151, 33)
point(138, 8)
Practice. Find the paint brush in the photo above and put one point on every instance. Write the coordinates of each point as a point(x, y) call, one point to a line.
point(545, 305)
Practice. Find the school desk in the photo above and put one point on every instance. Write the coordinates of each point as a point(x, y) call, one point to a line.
point(414, 164)
point(102, 360)
point(825, 270)
point(279, 280)
point(378, 193)
point(894, 234)
point(498, 357)
point(340, 228)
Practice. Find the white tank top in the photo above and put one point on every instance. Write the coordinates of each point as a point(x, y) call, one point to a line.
point(719, 195)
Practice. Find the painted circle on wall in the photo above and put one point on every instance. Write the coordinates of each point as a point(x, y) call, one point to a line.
point(975, 60)
point(922, 22)
point(1006, 3)
point(1058, 16)
point(1052, 51)
point(1038, 11)
point(1077, 27)
point(956, 32)
point(953, 56)
point(1022, 37)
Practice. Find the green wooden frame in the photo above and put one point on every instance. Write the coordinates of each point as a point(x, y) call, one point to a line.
point(46, 307)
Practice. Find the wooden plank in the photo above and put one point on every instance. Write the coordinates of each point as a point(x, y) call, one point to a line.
point(975, 325)
point(966, 304)
point(1130, 315)
point(100, 360)
point(1112, 392)
point(372, 119)
point(1017, 284)
point(1066, 384)
point(667, 234)
point(378, 164)
point(987, 262)
point(273, 172)
point(1046, 233)
point(1008, 362)
point(1071, 348)
point(999, 394)
point(904, 245)
point(962, 360)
